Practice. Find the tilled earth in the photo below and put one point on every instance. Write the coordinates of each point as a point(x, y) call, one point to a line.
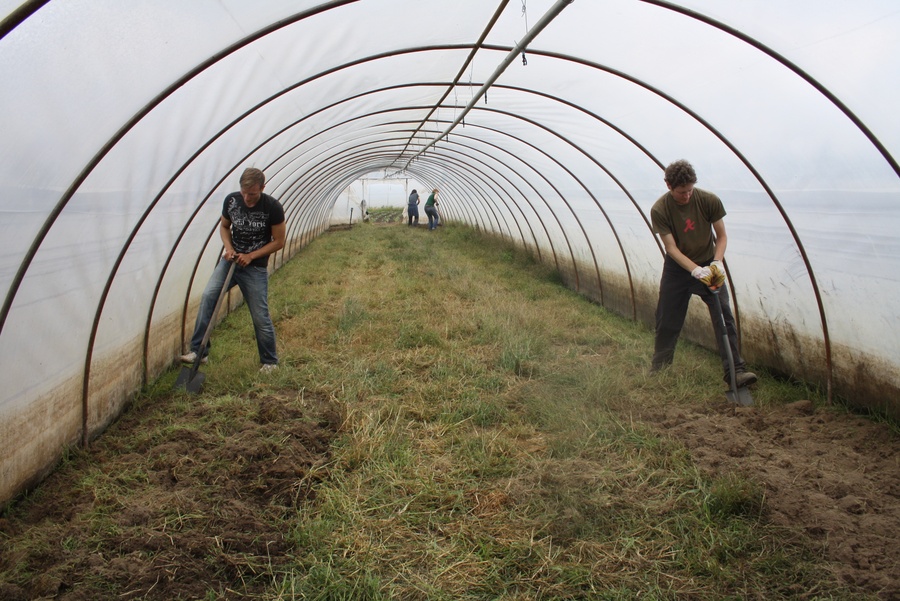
point(205, 515)
point(834, 475)
point(204, 518)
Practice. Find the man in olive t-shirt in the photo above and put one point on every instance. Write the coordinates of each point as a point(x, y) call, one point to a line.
point(685, 218)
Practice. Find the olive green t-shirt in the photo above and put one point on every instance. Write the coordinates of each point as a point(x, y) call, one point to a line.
point(691, 224)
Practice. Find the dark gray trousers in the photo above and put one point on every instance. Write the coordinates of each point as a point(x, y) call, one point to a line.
point(675, 289)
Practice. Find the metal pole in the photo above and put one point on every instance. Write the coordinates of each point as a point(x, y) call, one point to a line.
point(513, 55)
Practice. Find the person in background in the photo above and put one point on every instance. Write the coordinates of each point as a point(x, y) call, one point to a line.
point(431, 209)
point(413, 209)
point(251, 227)
point(364, 210)
point(685, 218)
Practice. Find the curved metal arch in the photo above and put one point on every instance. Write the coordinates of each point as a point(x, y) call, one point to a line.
point(631, 139)
point(510, 212)
point(599, 205)
point(574, 263)
point(253, 109)
point(560, 225)
point(796, 69)
point(606, 216)
point(373, 164)
point(562, 101)
point(351, 119)
point(561, 228)
point(364, 160)
point(384, 166)
point(759, 178)
point(512, 202)
point(486, 198)
point(576, 271)
point(521, 193)
point(19, 15)
point(625, 259)
point(422, 166)
point(128, 126)
point(550, 239)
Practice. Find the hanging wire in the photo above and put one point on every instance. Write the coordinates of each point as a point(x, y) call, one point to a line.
point(525, 14)
point(545, 20)
point(471, 73)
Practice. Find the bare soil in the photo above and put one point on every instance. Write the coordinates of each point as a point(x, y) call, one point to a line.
point(834, 475)
point(205, 521)
point(207, 518)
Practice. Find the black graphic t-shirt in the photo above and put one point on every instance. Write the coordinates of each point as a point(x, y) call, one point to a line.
point(251, 229)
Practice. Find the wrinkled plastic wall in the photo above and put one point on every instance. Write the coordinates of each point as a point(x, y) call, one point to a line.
point(124, 124)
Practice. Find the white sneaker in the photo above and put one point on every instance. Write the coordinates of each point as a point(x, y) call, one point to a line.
point(191, 357)
point(268, 367)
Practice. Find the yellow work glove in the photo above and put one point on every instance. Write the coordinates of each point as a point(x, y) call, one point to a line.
point(716, 277)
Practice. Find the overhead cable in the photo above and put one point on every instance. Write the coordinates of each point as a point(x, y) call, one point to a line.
point(551, 14)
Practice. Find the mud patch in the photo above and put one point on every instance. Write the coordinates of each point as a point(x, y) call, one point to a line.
point(836, 476)
point(195, 508)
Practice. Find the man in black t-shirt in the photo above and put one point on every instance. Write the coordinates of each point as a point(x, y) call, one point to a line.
point(685, 218)
point(252, 227)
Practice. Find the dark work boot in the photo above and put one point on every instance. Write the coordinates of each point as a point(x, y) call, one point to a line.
point(745, 378)
point(742, 378)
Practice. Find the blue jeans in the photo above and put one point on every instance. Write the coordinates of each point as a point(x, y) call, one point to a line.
point(432, 217)
point(254, 285)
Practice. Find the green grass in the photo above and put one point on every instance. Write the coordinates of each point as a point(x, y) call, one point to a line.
point(488, 449)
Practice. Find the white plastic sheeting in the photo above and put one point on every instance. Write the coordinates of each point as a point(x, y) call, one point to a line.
point(125, 123)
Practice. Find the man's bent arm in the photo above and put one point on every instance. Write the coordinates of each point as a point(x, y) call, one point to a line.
point(276, 244)
point(673, 251)
point(721, 239)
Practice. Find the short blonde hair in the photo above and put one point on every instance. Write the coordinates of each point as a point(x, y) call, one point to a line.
point(251, 177)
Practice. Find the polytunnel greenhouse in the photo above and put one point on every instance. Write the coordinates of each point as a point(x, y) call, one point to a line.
point(547, 124)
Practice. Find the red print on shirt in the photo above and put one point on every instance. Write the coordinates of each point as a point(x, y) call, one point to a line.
point(688, 225)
